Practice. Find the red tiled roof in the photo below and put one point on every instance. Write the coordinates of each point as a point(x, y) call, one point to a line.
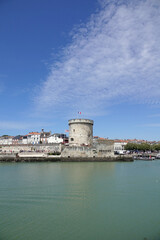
point(34, 133)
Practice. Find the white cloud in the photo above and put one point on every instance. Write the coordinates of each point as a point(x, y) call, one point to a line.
point(114, 57)
point(21, 125)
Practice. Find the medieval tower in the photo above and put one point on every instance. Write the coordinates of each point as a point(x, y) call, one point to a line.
point(80, 132)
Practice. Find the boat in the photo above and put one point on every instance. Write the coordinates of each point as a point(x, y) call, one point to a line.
point(144, 157)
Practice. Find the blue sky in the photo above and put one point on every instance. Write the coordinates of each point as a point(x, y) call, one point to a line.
point(99, 57)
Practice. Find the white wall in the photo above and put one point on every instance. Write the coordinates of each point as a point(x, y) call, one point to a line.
point(54, 139)
point(119, 146)
point(33, 139)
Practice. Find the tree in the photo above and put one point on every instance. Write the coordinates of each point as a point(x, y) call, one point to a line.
point(131, 146)
point(156, 147)
point(140, 147)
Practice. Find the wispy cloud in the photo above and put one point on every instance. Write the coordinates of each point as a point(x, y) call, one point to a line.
point(114, 57)
point(7, 125)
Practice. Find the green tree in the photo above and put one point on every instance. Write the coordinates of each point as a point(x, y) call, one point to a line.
point(131, 146)
point(144, 147)
point(156, 147)
point(140, 147)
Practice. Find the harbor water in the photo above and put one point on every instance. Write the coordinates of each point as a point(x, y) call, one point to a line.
point(85, 201)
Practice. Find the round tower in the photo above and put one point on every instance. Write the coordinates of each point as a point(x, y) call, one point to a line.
point(80, 132)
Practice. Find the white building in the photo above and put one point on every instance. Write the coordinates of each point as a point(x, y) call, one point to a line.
point(25, 140)
point(33, 138)
point(56, 138)
point(119, 146)
point(6, 140)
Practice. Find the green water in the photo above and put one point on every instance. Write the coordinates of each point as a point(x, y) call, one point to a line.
point(86, 201)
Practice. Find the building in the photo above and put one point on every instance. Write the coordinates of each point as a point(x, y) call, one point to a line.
point(44, 136)
point(80, 132)
point(24, 140)
point(6, 140)
point(119, 145)
point(33, 138)
point(55, 139)
point(16, 139)
point(58, 138)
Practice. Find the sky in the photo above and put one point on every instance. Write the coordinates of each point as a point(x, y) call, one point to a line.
point(97, 57)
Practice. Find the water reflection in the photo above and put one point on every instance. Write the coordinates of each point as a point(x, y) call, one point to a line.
point(79, 201)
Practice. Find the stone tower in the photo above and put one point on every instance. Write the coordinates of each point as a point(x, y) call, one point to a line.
point(80, 132)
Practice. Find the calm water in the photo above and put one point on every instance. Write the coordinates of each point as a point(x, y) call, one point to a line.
point(86, 201)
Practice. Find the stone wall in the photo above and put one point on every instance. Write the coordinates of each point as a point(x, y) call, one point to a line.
point(103, 148)
point(75, 151)
point(99, 150)
point(31, 148)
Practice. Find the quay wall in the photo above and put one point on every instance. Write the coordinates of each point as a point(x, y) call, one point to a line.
point(31, 148)
point(14, 158)
point(99, 149)
point(102, 149)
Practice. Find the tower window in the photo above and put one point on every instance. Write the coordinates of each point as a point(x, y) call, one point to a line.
point(72, 139)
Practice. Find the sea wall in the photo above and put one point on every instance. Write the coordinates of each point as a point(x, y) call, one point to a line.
point(31, 148)
point(98, 151)
point(14, 158)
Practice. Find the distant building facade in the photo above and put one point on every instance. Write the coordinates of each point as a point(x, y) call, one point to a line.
point(119, 145)
point(33, 138)
point(6, 140)
point(57, 138)
point(44, 136)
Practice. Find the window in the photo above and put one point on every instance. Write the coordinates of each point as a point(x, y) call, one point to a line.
point(73, 130)
point(72, 139)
